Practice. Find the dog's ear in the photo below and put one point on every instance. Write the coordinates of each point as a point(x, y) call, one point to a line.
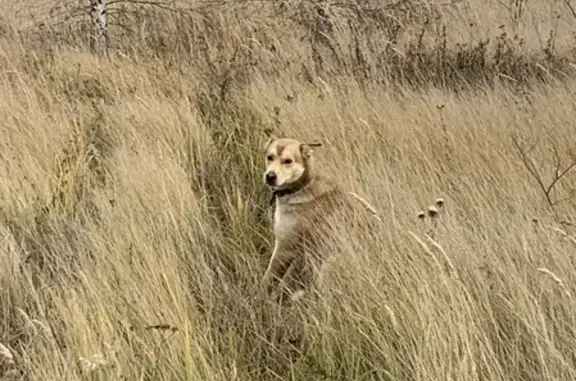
point(306, 149)
point(270, 140)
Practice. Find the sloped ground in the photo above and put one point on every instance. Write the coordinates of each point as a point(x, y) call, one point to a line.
point(134, 222)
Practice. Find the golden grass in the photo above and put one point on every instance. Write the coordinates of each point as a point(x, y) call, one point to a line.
point(133, 218)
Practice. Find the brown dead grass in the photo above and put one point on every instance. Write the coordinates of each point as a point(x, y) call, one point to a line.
point(133, 217)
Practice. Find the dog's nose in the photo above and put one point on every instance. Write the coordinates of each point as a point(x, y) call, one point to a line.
point(270, 178)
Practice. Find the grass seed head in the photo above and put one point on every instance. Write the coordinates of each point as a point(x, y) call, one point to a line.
point(6, 361)
point(92, 363)
point(5, 355)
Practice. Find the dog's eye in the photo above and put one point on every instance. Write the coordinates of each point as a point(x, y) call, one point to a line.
point(287, 161)
point(269, 157)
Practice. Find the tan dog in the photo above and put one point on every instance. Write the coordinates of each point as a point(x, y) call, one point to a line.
point(305, 201)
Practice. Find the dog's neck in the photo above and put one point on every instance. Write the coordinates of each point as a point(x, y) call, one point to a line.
point(302, 183)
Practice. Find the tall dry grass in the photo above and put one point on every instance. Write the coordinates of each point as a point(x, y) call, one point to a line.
point(134, 225)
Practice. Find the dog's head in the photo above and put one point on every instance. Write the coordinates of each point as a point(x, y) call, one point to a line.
point(288, 161)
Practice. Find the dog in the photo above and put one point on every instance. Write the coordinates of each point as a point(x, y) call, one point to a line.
point(305, 202)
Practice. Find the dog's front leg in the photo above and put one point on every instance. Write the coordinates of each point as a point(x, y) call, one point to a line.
point(278, 266)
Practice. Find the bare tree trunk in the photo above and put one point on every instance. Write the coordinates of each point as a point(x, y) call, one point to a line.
point(99, 19)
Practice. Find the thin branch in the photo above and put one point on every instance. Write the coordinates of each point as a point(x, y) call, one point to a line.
point(569, 5)
point(562, 174)
point(531, 167)
point(558, 174)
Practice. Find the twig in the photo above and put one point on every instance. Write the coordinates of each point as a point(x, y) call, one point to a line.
point(559, 172)
point(569, 5)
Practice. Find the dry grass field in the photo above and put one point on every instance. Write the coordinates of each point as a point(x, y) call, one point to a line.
point(133, 218)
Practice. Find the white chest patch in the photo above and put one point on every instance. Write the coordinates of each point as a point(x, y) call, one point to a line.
point(283, 222)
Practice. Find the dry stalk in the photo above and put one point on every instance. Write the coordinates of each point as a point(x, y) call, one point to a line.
point(556, 279)
point(367, 205)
